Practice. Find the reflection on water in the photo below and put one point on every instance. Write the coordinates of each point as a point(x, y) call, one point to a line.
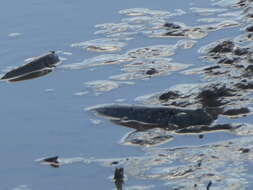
point(119, 178)
point(31, 75)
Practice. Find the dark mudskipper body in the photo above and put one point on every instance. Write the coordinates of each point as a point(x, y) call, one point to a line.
point(158, 116)
point(34, 68)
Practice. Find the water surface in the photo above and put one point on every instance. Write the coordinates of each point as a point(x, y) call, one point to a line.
point(46, 116)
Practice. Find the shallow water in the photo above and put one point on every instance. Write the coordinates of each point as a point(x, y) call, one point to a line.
point(47, 116)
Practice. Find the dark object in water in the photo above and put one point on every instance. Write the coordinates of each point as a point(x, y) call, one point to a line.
point(249, 29)
point(114, 163)
point(119, 178)
point(52, 161)
point(228, 61)
point(241, 51)
point(211, 96)
point(223, 47)
point(212, 68)
point(151, 71)
point(249, 68)
point(199, 163)
point(237, 111)
point(119, 174)
point(245, 84)
point(174, 30)
point(201, 136)
point(205, 128)
point(169, 95)
point(171, 25)
point(39, 66)
point(209, 185)
point(245, 150)
point(163, 117)
point(175, 33)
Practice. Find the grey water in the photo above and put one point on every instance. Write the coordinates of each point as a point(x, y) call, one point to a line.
point(43, 117)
